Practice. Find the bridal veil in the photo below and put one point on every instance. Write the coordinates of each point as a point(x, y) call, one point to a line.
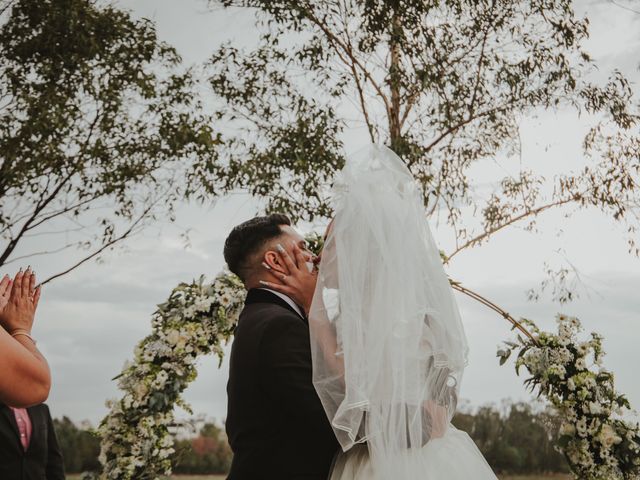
point(387, 341)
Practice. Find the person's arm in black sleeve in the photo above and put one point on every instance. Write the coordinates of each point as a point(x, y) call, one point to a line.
point(55, 462)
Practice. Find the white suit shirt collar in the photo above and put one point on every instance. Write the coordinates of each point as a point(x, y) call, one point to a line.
point(287, 299)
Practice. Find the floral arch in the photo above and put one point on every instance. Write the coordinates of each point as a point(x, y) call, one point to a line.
point(198, 318)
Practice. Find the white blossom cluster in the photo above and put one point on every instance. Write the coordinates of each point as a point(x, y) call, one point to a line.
point(196, 320)
point(594, 437)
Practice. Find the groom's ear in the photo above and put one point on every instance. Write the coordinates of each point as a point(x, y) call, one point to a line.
point(273, 261)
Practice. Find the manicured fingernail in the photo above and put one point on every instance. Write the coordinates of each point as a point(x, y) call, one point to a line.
point(266, 266)
point(262, 282)
point(20, 271)
point(280, 248)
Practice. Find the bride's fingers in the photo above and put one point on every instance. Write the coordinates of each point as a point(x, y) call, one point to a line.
point(277, 287)
point(276, 276)
point(287, 259)
point(283, 278)
point(300, 258)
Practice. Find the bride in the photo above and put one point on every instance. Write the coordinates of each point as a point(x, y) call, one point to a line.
point(388, 345)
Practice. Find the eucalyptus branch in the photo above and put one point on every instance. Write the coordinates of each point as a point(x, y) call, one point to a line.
point(488, 303)
point(356, 78)
point(336, 42)
point(62, 211)
point(479, 74)
point(510, 221)
point(36, 211)
point(105, 246)
point(468, 120)
point(36, 254)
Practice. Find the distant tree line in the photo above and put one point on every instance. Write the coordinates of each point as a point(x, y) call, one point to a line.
point(515, 438)
point(80, 446)
point(205, 453)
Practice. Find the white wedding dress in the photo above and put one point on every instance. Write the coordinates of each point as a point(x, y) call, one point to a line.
point(452, 457)
point(387, 341)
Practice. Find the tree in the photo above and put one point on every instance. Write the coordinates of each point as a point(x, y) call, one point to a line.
point(101, 129)
point(443, 83)
point(516, 439)
point(80, 446)
point(207, 453)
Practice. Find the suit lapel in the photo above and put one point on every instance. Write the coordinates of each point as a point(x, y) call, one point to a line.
point(11, 420)
point(259, 295)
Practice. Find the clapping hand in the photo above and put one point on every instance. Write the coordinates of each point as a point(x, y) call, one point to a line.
point(5, 291)
point(20, 301)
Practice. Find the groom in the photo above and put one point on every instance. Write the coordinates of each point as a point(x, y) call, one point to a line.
point(276, 425)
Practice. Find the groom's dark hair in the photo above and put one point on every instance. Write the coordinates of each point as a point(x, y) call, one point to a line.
point(248, 238)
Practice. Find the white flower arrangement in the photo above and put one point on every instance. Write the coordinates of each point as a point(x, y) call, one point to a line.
point(596, 440)
point(196, 320)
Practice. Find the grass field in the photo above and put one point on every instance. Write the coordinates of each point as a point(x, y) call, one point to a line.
point(218, 477)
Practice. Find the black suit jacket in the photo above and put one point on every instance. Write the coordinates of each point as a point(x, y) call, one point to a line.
point(43, 458)
point(276, 425)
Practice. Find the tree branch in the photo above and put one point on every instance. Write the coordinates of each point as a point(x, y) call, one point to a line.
point(468, 120)
point(107, 245)
point(38, 208)
point(62, 212)
point(356, 78)
point(35, 254)
point(336, 42)
point(488, 303)
point(510, 221)
point(479, 74)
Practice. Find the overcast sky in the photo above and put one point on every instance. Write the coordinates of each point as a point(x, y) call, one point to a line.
point(89, 321)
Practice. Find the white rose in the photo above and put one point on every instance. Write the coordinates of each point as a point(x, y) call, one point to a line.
point(173, 336)
point(141, 390)
point(608, 436)
point(595, 408)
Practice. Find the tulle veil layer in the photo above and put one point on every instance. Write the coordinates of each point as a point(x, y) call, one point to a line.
point(388, 344)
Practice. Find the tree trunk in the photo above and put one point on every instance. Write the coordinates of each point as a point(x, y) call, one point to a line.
point(395, 134)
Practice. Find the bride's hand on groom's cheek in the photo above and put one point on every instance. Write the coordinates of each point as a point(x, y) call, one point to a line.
point(296, 281)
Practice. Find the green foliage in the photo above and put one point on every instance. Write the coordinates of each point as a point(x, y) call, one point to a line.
point(80, 446)
point(289, 146)
point(515, 438)
point(594, 436)
point(100, 127)
point(315, 243)
point(519, 440)
point(443, 83)
point(208, 452)
point(194, 321)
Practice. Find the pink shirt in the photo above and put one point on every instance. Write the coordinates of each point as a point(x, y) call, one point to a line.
point(24, 426)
